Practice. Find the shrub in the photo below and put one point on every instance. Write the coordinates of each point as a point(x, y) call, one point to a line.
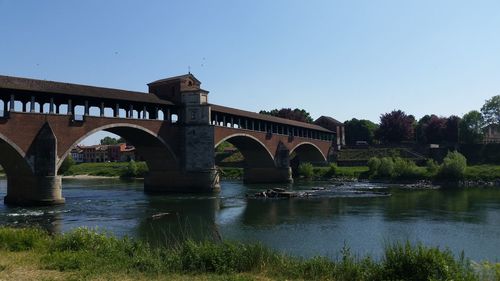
point(331, 171)
point(66, 165)
point(306, 170)
point(373, 165)
point(432, 167)
point(132, 170)
point(13, 239)
point(407, 262)
point(142, 169)
point(406, 169)
point(454, 165)
point(386, 168)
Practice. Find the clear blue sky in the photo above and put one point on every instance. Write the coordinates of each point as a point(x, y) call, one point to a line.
point(344, 59)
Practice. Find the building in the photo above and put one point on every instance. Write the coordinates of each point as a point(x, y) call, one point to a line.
point(77, 154)
point(492, 133)
point(108, 153)
point(334, 125)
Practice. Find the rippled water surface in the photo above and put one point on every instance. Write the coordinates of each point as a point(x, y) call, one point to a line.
point(359, 215)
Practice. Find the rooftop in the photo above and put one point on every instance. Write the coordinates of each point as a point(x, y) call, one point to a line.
point(33, 86)
point(268, 118)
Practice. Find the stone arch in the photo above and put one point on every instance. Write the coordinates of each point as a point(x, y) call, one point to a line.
point(13, 158)
point(309, 152)
point(147, 143)
point(256, 154)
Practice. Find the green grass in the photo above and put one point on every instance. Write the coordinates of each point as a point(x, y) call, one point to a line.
point(87, 254)
point(483, 172)
point(231, 173)
point(108, 169)
point(340, 172)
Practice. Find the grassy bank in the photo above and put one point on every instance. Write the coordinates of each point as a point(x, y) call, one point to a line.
point(108, 169)
point(32, 254)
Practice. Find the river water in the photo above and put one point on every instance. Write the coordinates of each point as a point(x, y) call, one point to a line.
point(358, 215)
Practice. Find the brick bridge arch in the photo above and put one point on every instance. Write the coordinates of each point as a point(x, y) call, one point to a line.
point(155, 150)
point(309, 152)
point(256, 153)
point(268, 155)
point(12, 159)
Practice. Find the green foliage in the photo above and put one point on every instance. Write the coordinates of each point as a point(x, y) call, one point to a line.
point(110, 169)
point(306, 170)
point(93, 255)
point(231, 173)
point(66, 165)
point(331, 171)
point(491, 110)
point(406, 169)
point(471, 127)
point(373, 165)
point(359, 130)
point(221, 147)
point(112, 141)
point(132, 170)
point(415, 263)
point(395, 168)
point(13, 239)
point(454, 166)
point(482, 172)
point(432, 167)
point(287, 113)
point(386, 168)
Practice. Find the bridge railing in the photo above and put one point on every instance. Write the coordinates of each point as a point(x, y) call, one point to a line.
point(79, 108)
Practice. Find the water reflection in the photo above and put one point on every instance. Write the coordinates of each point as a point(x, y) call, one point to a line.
point(167, 220)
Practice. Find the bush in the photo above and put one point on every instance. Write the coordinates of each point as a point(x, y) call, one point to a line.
point(453, 167)
point(407, 262)
point(66, 165)
point(406, 169)
point(131, 171)
point(373, 165)
point(386, 168)
point(331, 171)
point(13, 239)
point(142, 169)
point(431, 167)
point(306, 170)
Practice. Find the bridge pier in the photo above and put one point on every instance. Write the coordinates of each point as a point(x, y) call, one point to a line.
point(37, 183)
point(34, 191)
point(268, 175)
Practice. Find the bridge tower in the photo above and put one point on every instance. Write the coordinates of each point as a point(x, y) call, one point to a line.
point(196, 147)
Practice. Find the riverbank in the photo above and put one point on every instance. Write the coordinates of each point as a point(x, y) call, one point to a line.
point(31, 254)
point(478, 175)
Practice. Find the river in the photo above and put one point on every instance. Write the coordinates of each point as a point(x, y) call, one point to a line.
point(357, 215)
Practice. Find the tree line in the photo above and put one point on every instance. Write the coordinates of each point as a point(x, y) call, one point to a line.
point(397, 126)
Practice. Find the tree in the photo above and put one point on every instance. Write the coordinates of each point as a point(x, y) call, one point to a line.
point(451, 130)
point(454, 165)
point(491, 110)
point(435, 129)
point(111, 141)
point(66, 165)
point(287, 113)
point(420, 128)
point(359, 130)
point(395, 127)
point(471, 127)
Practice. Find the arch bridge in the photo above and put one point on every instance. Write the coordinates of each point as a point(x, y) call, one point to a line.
point(172, 126)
